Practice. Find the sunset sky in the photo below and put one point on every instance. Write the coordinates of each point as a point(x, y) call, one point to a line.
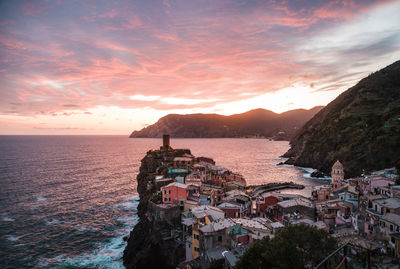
point(110, 67)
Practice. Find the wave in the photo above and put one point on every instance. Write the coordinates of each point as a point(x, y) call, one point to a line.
point(131, 203)
point(41, 199)
point(15, 238)
point(53, 222)
point(7, 219)
point(4, 217)
point(106, 255)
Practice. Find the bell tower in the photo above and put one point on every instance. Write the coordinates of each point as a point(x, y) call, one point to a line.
point(337, 174)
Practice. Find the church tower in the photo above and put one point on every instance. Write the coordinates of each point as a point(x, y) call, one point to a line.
point(337, 174)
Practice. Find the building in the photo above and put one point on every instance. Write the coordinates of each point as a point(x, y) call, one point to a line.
point(174, 193)
point(263, 203)
point(233, 209)
point(389, 223)
point(298, 206)
point(337, 174)
point(166, 146)
point(383, 206)
point(182, 162)
point(321, 193)
point(349, 197)
point(203, 215)
point(215, 234)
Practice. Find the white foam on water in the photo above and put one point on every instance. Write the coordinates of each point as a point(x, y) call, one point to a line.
point(106, 255)
point(81, 227)
point(4, 217)
point(53, 222)
point(15, 238)
point(7, 219)
point(129, 221)
point(41, 198)
point(131, 204)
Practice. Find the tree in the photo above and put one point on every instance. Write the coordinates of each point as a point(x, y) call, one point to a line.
point(398, 173)
point(299, 246)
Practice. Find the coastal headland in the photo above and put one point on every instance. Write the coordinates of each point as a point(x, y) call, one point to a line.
point(159, 229)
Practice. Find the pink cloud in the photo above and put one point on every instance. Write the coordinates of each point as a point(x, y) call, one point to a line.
point(101, 56)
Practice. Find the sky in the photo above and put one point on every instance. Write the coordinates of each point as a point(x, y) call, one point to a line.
point(111, 67)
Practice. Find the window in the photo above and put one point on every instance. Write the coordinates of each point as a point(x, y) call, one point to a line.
point(166, 199)
point(219, 238)
point(167, 191)
point(196, 249)
point(391, 227)
point(196, 236)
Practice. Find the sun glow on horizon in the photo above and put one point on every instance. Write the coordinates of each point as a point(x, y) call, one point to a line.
point(69, 68)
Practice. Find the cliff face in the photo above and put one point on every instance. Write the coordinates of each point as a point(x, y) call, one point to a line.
point(145, 248)
point(361, 128)
point(258, 122)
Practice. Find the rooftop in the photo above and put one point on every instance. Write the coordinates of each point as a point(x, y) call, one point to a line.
point(230, 257)
point(393, 218)
point(175, 184)
point(229, 205)
point(217, 226)
point(216, 253)
point(251, 224)
point(205, 210)
point(182, 159)
point(295, 202)
point(389, 203)
point(337, 165)
point(276, 225)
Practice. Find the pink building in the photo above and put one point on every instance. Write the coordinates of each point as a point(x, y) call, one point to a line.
point(378, 181)
point(174, 192)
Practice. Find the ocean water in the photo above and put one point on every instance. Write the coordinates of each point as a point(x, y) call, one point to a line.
point(67, 201)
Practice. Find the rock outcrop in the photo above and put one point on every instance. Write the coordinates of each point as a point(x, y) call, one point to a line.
point(146, 247)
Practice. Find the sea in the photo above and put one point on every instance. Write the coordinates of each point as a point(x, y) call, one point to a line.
point(68, 201)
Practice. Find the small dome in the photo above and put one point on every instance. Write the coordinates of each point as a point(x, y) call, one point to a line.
point(338, 165)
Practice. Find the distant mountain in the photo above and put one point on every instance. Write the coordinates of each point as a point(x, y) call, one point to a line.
point(361, 128)
point(254, 123)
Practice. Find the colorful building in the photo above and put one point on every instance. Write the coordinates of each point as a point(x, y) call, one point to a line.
point(174, 193)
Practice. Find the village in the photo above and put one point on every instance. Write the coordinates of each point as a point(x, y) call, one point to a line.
point(212, 212)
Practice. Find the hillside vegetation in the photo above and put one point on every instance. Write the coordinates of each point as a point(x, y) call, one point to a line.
point(258, 122)
point(361, 128)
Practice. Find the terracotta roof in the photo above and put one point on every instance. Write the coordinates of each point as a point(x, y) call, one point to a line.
point(337, 165)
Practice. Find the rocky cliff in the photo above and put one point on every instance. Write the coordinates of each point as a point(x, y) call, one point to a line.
point(258, 122)
point(146, 248)
point(361, 128)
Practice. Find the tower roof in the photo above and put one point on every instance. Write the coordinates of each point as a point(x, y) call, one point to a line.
point(337, 165)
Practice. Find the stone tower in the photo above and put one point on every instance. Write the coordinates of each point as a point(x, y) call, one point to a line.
point(337, 174)
point(166, 146)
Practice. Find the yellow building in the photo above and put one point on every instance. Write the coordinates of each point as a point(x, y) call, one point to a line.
point(203, 215)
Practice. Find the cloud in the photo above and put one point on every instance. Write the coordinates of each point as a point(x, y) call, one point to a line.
point(60, 57)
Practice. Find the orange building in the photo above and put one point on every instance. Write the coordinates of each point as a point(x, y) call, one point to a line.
point(174, 192)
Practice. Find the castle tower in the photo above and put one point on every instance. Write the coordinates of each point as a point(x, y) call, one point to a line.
point(166, 146)
point(337, 174)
